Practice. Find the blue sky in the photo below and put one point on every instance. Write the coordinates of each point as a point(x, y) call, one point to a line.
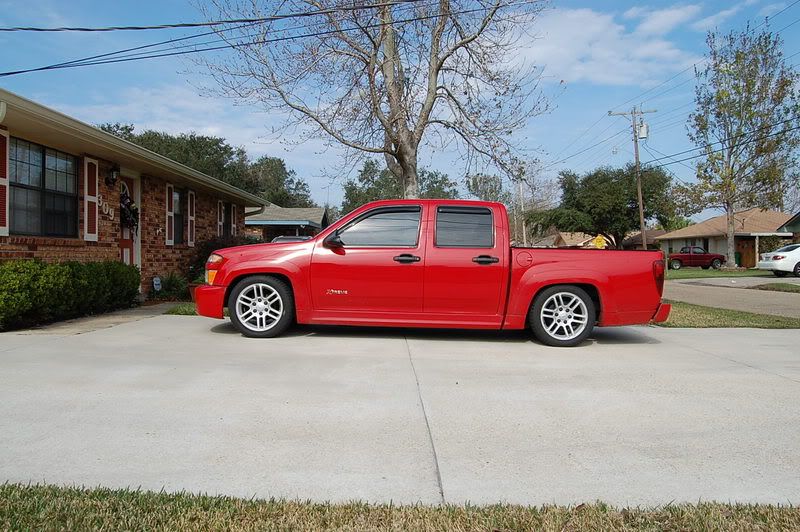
point(597, 55)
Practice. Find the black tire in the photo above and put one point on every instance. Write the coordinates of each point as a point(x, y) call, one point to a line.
point(716, 264)
point(797, 270)
point(251, 286)
point(539, 323)
point(675, 264)
point(779, 273)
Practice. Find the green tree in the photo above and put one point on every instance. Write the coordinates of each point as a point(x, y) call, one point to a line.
point(278, 184)
point(375, 183)
point(745, 123)
point(604, 202)
point(267, 177)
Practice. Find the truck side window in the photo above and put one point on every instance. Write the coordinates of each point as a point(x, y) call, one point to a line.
point(698, 250)
point(685, 250)
point(387, 227)
point(464, 227)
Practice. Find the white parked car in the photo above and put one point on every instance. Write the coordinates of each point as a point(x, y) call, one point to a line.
point(782, 261)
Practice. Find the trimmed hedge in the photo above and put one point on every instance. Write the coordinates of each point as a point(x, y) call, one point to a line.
point(33, 292)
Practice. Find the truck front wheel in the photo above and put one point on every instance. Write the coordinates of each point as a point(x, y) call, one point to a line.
point(562, 316)
point(261, 306)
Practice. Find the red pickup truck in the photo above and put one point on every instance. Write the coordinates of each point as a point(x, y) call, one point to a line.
point(431, 263)
point(695, 256)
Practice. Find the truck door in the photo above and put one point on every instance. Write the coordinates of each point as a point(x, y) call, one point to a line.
point(379, 266)
point(466, 262)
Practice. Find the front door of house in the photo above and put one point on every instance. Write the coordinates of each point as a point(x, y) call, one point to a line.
point(127, 234)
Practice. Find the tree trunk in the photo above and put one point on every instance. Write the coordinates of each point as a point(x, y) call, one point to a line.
point(731, 254)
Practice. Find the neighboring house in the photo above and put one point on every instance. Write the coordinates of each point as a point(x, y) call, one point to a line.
point(286, 221)
point(750, 226)
point(565, 239)
point(63, 184)
point(792, 226)
point(634, 239)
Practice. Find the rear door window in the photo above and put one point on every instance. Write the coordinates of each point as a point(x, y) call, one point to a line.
point(464, 227)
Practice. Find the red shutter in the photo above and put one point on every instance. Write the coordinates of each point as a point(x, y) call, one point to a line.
point(190, 215)
point(4, 200)
point(170, 229)
point(90, 230)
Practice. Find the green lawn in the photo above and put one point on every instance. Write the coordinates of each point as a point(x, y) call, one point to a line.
point(183, 309)
point(54, 508)
point(700, 273)
point(696, 316)
point(779, 287)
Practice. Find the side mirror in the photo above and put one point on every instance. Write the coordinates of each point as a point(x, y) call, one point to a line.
point(333, 241)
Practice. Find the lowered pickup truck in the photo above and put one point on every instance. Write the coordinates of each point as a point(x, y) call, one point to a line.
point(431, 263)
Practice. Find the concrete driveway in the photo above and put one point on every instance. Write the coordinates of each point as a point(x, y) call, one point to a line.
point(636, 416)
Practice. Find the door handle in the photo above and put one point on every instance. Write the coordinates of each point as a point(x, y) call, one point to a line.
point(406, 258)
point(485, 259)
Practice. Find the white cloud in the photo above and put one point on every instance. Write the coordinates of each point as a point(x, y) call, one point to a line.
point(770, 9)
point(586, 45)
point(662, 21)
point(713, 21)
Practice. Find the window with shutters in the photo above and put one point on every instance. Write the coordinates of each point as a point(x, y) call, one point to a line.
point(43, 199)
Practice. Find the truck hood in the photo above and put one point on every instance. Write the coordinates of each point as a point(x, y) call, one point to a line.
point(255, 251)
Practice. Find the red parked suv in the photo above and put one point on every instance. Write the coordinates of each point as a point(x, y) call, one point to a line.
point(695, 256)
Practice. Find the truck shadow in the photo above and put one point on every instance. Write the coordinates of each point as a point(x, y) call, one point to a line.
point(600, 336)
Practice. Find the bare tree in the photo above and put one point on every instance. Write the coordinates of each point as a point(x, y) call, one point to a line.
point(388, 80)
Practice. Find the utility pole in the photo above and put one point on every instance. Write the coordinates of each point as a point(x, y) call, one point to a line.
point(638, 131)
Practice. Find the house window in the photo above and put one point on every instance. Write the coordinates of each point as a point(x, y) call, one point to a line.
point(44, 190)
point(178, 216)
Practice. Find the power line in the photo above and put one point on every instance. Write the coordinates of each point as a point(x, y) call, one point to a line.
point(554, 163)
point(731, 138)
point(244, 44)
point(723, 148)
point(212, 23)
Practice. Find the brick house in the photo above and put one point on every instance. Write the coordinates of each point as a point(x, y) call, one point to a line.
point(62, 183)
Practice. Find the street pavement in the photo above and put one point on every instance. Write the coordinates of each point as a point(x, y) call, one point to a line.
point(735, 293)
point(637, 415)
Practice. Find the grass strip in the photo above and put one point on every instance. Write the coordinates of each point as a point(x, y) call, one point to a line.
point(41, 507)
point(699, 273)
point(779, 287)
point(687, 315)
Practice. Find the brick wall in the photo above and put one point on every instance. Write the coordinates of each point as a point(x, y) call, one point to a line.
point(161, 259)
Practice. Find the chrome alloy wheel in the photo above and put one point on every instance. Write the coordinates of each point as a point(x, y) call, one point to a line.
point(259, 307)
point(564, 316)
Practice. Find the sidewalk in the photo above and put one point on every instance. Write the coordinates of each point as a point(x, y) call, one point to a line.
point(719, 294)
point(101, 321)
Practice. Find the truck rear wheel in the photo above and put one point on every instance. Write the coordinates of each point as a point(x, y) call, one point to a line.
point(562, 316)
point(261, 306)
point(716, 264)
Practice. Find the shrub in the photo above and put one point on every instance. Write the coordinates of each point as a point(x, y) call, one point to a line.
point(204, 248)
point(33, 292)
point(173, 287)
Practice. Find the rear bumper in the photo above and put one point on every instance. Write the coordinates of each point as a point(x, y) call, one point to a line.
point(210, 301)
point(662, 313)
point(775, 265)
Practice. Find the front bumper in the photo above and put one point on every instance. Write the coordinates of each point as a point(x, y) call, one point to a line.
point(210, 301)
point(662, 313)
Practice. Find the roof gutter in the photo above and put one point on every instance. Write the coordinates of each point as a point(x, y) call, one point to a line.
point(97, 136)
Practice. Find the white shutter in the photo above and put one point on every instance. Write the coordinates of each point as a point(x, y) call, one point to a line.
point(190, 215)
point(220, 218)
point(170, 229)
point(233, 220)
point(5, 191)
point(90, 214)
